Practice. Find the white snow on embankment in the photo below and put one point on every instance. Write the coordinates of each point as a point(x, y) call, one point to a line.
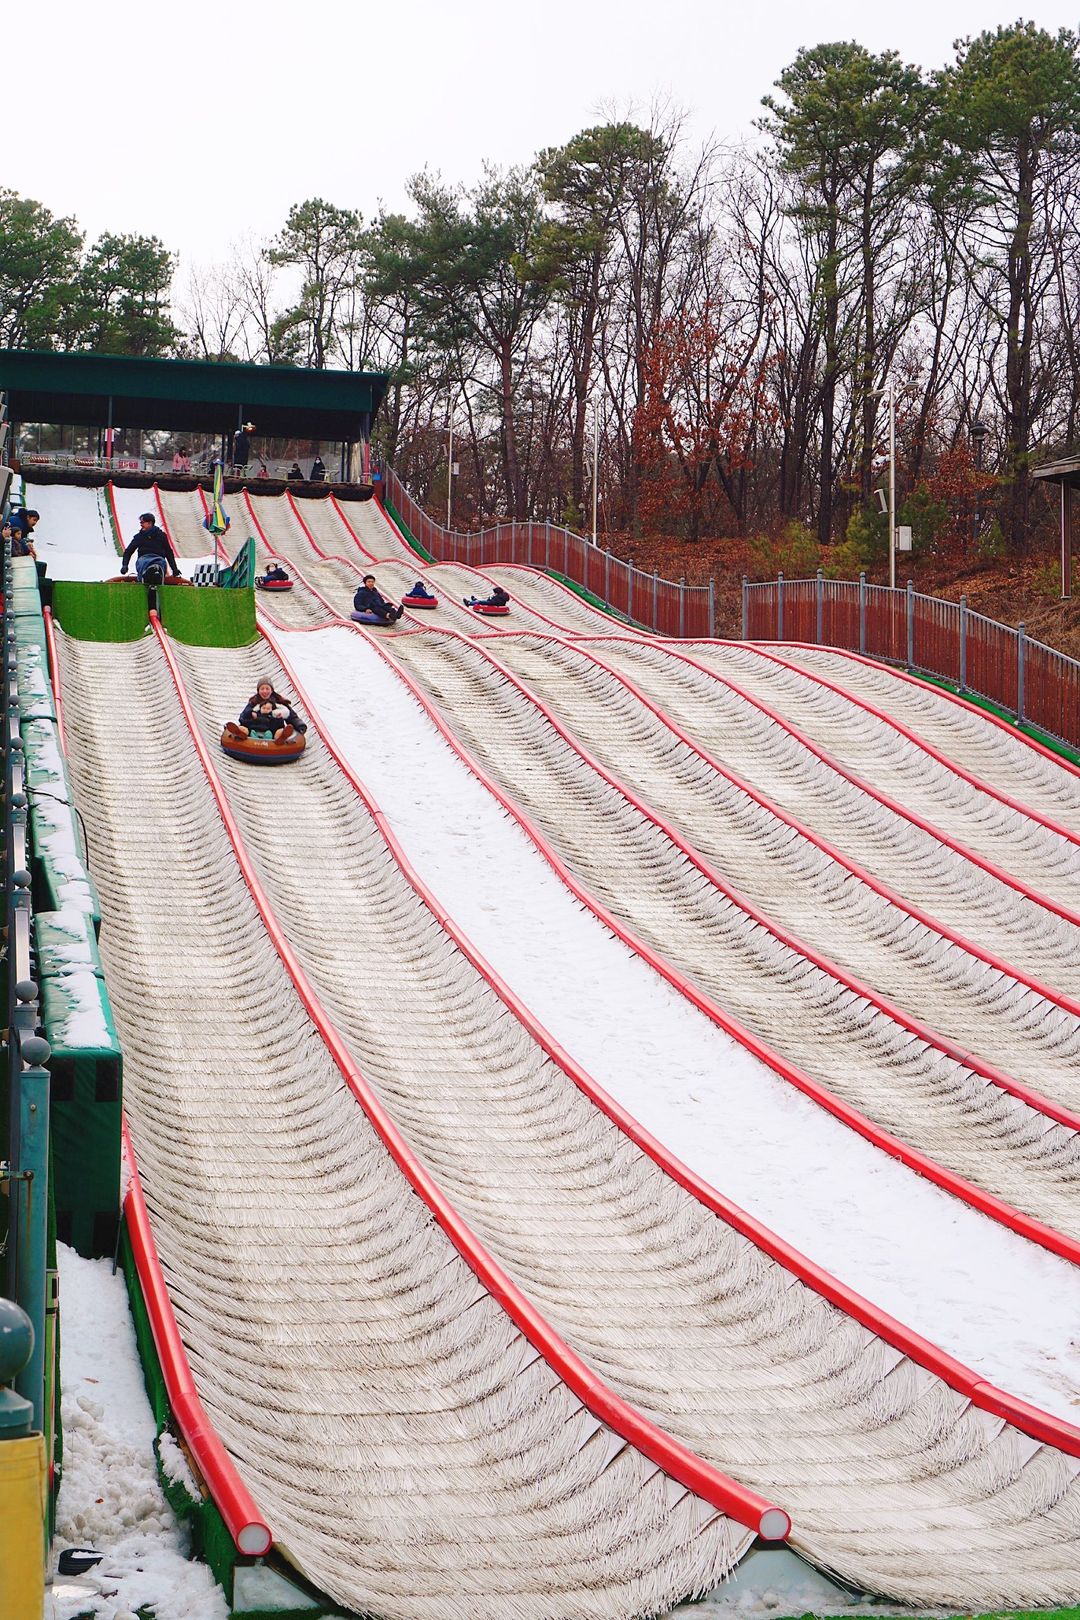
point(999, 1303)
point(74, 535)
point(73, 523)
point(110, 1497)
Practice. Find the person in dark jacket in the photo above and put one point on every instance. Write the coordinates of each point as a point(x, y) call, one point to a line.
point(23, 523)
point(294, 475)
point(498, 598)
point(275, 575)
point(241, 446)
point(267, 710)
point(369, 599)
point(318, 471)
point(151, 548)
point(420, 590)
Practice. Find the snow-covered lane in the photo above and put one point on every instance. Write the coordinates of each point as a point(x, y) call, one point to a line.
point(999, 1303)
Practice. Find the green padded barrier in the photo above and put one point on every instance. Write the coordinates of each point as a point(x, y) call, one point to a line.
point(208, 617)
point(86, 1097)
point(32, 662)
point(100, 610)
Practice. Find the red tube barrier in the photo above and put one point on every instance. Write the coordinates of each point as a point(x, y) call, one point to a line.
point(911, 736)
point(1029, 1419)
point(1068, 1003)
point(958, 698)
point(872, 792)
point(249, 1531)
point(737, 1501)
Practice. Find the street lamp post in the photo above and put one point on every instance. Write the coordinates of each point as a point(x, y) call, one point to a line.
point(449, 463)
point(891, 391)
point(595, 467)
point(977, 433)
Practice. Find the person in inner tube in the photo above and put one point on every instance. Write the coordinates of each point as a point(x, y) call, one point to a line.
point(153, 550)
point(498, 598)
point(266, 711)
point(275, 575)
point(369, 599)
point(420, 591)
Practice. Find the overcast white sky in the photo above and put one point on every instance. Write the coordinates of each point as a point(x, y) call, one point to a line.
point(200, 123)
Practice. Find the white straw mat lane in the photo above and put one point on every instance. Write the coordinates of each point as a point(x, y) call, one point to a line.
point(184, 515)
point(929, 1100)
point(692, 1322)
point(560, 604)
point(964, 734)
point(801, 887)
point(878, 754)
point(914, 863)
point(410, 1450)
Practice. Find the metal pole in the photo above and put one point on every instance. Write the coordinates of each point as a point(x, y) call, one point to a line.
point(862, 613)
point(656, 598)
point(1020, 647)
point(963, 643)
point(607, 575)
point(892, 486)
point(1066, 538)
point(745, 609)
point(682, 607)
point(449, 468)
point(780, 606)
point(911, 624)
point(595, 467)
point(819, 604)
point(712, 607)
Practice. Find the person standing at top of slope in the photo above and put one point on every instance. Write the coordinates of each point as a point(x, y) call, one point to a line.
point(153, 550)
point(241, 447)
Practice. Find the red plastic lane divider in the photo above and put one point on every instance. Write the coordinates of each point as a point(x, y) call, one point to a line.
point(54, 672)
point(601, 613)
point(110, 495)
point(242, 1520)
point(731, 1498)
point(350, 531)
point(898, 1014)
point(912, 737)
point(1046, 1237)
point(960, 699)
point(1068, 1003)
point(1030, 1419)
point(676, 650)
point(164, 519)
point(249, 1531)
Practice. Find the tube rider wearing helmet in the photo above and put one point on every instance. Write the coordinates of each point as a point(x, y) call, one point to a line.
point(152, 551)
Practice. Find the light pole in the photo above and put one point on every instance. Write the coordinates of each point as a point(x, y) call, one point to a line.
point(595, 467)
point(449, 459)
point(977, 433)
point(890, 392)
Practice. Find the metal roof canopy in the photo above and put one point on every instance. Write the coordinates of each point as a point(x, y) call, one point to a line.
point(192, 396)
point(1065, 473)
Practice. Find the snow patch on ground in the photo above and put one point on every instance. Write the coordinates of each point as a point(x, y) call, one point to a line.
point(110, 1497)
point(73, 520)
point(997, 1302)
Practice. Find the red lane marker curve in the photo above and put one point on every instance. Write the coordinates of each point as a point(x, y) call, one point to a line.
point(731, 1498)
point(1030, 1419)
point(911, 736)
point(249, 1531)
point(961, 701)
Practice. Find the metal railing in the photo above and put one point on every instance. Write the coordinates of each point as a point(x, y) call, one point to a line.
point(1036, 683)
point(26, 1166)
point(670, 607)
